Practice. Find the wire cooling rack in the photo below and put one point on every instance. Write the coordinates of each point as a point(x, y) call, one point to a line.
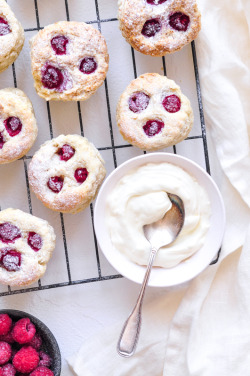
point(115, 144)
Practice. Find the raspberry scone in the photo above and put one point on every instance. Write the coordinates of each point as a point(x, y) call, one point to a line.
point(158, 27)
point(18, 128)
point(11, 36)
point(152, 113)
point(66, 173)
point(69, 61)
point(26, 245)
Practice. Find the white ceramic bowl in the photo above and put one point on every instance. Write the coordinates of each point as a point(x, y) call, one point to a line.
point(186, 270)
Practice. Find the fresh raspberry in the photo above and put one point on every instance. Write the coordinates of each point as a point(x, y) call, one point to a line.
point(36, 342)
point(42, 371)
point(8, 370)
point(26, 359)
point(5, 352)
point(1, 371)
point(5, 324)
point(23, 331)
point(45, 359)
point(7, 337)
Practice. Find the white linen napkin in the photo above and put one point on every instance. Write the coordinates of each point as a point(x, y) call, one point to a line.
point(202, 328)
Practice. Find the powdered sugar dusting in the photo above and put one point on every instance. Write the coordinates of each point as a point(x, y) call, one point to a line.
point(179, 24)
point(76, 191)
point(88, 65)
point(4, 27)
point(138, 102)
point(19, 264)
point(78, 50)
point(18, 128)
point(12, 261)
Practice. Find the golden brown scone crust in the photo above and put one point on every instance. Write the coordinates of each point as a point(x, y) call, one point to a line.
point(11, 44)
point(84, 41)
point(176, 125)
point(46, 163)
point(134, 13)
point(33, 263)
point(14, 102)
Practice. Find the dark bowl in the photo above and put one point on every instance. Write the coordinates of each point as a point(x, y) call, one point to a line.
point(49, 342)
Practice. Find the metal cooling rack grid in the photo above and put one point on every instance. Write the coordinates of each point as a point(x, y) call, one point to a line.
point(113, 148)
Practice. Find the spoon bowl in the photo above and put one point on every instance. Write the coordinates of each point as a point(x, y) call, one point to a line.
point(165, 231)
point(159, 234)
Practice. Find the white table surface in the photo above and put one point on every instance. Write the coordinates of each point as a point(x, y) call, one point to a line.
point(77, 312)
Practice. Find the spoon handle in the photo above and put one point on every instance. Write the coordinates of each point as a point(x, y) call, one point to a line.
point(130, 333)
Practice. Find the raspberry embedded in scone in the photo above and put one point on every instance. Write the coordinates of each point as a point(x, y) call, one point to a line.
point(69, 61)
point(11, 36)
point(26, 245)
point(152, 113)
point(66, 173)
point(158, 27)
point(18, 128)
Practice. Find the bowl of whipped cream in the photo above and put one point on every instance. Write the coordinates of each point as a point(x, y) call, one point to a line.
point(136, 194)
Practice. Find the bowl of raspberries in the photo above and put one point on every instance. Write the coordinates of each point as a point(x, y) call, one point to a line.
point(27, 346)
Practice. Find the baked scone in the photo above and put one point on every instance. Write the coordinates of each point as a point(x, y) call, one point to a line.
point(69, 61)
point(18, 128)
point(11, 36)
point(152, 113)
point(66, 173)
point(26, 245)
point(158, 27)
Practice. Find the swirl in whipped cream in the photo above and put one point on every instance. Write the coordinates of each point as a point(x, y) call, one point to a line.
point(141, 198)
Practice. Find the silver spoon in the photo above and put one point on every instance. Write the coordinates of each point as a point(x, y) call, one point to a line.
point(159, 234)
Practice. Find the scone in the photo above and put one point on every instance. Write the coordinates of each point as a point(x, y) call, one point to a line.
point(69, 61)
point(66, 173)
point(26, 245)
point(11, 36)
point(18, 128)
point(158, 27)
point(152, 113)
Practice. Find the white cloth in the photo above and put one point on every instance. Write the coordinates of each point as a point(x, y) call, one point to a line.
point(202, 328)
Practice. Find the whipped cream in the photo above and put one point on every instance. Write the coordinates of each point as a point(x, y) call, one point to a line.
point(141, 198)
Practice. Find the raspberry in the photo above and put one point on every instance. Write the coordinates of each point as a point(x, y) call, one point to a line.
point(59, 44)
point(8, 370)
point(55, 183)
point(26, 359)
point(42, 371)
point(13, 125)
point(66, 152)
point(88, 65)
point(36, 342)
point(5, 352)
point(23, 331)
point(52, 77)
point(45, 359)
point(7, 338)
point(5, 324)
point(1, 371)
